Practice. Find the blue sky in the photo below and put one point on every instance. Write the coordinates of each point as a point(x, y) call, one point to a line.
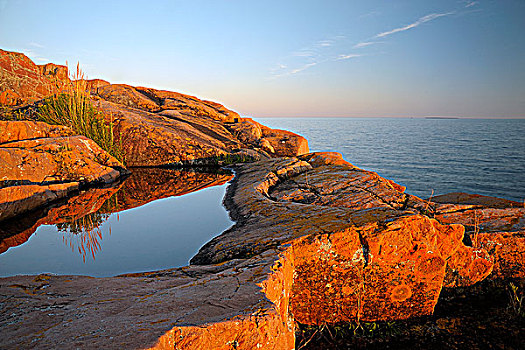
point(292, 58)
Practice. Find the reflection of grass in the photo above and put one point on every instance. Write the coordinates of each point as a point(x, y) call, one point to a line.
point(86, 231)
point(89, 222)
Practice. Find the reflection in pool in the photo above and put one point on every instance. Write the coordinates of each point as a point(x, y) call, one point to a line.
point(155, 219)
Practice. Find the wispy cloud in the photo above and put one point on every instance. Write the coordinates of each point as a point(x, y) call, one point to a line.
point(336, 49)
point(364, 44)
point(417, 23)
point(325, 43)
point(470, 4)
point(300, 69)
point(345, 57)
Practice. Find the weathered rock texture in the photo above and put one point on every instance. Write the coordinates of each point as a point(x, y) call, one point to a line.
point(23, 81)
point(303, 249)
point(493, 225)
point(40, 163)
point(156, 127)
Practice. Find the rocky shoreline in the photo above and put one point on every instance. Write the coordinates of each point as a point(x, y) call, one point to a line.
point(316, 241)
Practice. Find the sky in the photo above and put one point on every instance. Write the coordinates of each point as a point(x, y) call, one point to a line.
point(308, 58)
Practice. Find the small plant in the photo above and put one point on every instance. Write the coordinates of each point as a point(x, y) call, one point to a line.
point(516, 305)
point(428, 205)
point(72, 107)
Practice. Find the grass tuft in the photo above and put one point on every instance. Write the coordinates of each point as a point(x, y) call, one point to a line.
point(72, 107)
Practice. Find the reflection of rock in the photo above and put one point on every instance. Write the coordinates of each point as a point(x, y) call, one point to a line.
point(40, 163)
point(148, 184)
point(18, 230)
point(142, 186)
point(325, 241)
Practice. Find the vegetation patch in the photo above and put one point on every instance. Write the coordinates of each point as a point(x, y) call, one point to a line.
point(72, 107)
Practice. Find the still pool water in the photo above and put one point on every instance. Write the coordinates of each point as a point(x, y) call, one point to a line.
point(154, 234)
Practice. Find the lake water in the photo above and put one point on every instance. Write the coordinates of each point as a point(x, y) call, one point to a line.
point(483, 156)
point(156, 219)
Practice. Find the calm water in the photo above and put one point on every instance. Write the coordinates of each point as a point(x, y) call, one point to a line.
point(445, 155)
point(161, 234)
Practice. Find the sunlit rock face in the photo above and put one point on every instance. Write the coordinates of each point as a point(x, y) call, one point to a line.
point(23, 81)
point(361, 248)
point(493, 226)
point(163, 127)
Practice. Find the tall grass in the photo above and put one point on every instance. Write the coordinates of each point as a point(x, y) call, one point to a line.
point(73, 108)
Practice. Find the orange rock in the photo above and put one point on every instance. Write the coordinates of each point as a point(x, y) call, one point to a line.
point(18, 230)
point(468, 266)
point(371, 272)
point(55, 72)
point(16, 200)
point(327, 261)
point(23, 130)
point(494, 226)
point(22, 79)
point(156, 127)
point(507, 250)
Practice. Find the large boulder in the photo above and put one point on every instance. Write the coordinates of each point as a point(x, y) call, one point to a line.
point(162, 127)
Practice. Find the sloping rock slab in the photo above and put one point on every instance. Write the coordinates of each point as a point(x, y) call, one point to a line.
point(156, 127)
point(162, 127)
point(167, 310)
